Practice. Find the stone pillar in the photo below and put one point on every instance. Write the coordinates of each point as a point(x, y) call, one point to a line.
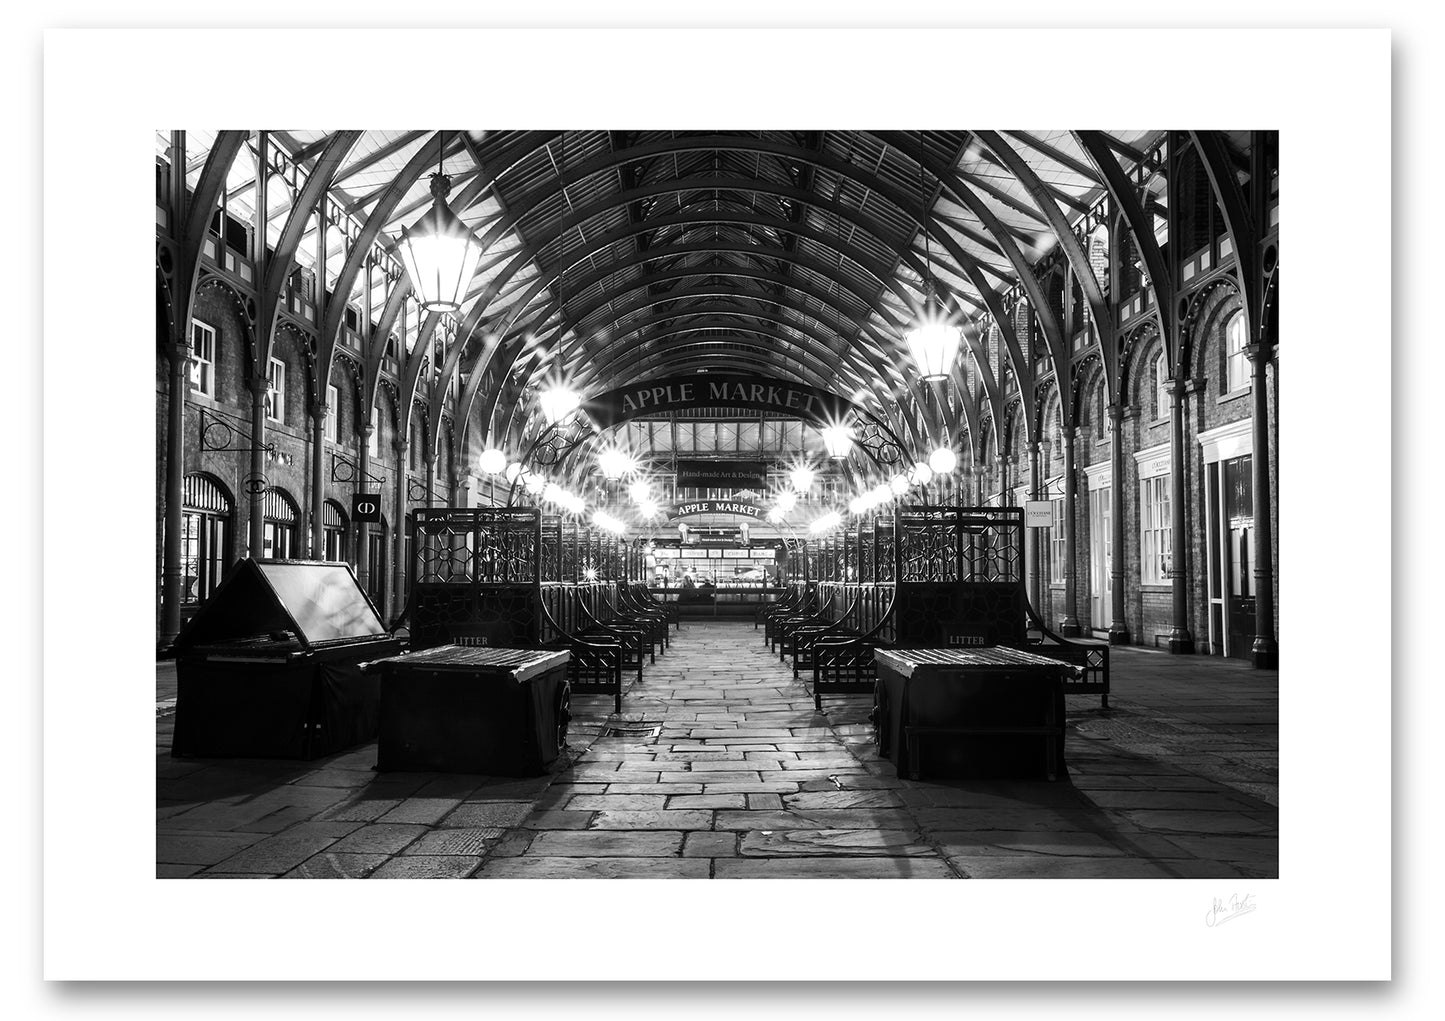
point(1035, 547)
point(1180, 638)
point(318, 479)
point(363, 529)
point(1118, 628)
point(1069, 622)
point(399, 566)
point(256, 482)
point(178, 389)
point(460, 490)
point(1265, 652)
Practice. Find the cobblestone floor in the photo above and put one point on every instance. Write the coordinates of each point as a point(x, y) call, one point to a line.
point(736, 776)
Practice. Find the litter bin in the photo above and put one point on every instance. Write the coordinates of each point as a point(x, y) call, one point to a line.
point(467, 709)
point(991, 713)
point(269, 667)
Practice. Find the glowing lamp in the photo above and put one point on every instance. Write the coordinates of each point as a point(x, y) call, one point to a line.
point(439, 253)
point(838, 439)
point(492, 461)
point(943, 461)
point(558, 402)
point(934, 347)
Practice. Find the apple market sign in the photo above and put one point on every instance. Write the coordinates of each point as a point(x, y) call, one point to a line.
point(741, 508)
point(717, 390)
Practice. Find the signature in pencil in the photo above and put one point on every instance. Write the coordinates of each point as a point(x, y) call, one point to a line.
point(1225, 910)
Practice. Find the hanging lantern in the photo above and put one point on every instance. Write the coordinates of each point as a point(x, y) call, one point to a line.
point(838, 439)
point(640, 491)
point(615, 463)
point(934, 347)
point(558, 402)
point(921, 474)
point(802, 478)
point(439, 253)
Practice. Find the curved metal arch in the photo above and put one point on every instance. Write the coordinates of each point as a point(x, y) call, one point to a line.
point(386, 203)
point(776, 300)
point(758, 350)
point(600, 275)
point(807, 289)
point(964, 195)
point(813, 341)
point(1188, 330)
point(752, 336)
point(1023, 368)
point(516, 420)
point(649, 301)
point(529, 253)
point(1063, 233)
point(847, 361)
point(281, 262)
point(1201, 319)
point(1143, 339)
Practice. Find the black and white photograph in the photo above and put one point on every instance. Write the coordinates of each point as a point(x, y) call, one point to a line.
point(702, 504)
point(845, 461)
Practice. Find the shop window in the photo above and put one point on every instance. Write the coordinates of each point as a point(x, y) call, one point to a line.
point(334, 530)
point(1156, 531)
point(1236, 364)
point(1161, 386)
point(1057, 541)
point(205, 538)
point(333, 410)
point(279, 525)
point(276, 396)
point(203, 359)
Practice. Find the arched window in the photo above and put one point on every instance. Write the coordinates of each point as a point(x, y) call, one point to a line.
point(1236, 364)
point(279, 525)
point(334, 524)
point(205, 538)
point(1161, 386)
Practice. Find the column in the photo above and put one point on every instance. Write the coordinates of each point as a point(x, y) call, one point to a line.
point(1180, 639)
point(363, 529)
point(318, 484)
point(256, 483)
point(1069, 623)
point(399, 529)
point(460, 490)
point(1265, 652)
point(1035, 552)
point(178, 388)
point(1118, 629)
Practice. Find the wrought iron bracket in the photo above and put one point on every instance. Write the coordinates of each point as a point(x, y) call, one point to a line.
point(219, 436)
point(349, 472)
point(415, 491)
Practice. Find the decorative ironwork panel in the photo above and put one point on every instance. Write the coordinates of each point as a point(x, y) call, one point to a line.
point(885, 551)
point(551, 553)
point(482, 545)
point(969, 544)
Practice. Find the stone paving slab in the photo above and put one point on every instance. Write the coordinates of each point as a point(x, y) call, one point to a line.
point(424, 866)
point(832, 868)
point(335, 865)
point(843, 843)
point(531, 867)
point(606, 843)
point(747, 780)
point(666, 820)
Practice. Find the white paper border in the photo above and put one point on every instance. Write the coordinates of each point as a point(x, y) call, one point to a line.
point(106, 92)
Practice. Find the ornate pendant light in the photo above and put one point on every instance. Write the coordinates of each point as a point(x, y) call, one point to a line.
point(933, 342)
point(438, 251)
point(838, 439)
